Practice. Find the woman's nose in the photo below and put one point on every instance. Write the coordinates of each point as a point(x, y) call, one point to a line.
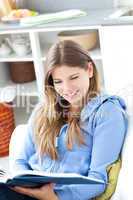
point(66, 88)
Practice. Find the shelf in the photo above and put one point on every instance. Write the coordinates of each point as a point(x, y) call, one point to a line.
point(9, 90)
point(13, 58)
point(44, 50)
point(94, 53)
point(86, 22)
point(26, 89)
point(21, 115)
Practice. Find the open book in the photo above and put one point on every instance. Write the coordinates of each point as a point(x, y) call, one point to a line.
point(29, 178)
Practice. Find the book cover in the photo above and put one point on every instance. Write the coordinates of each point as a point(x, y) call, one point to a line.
point(32, 178)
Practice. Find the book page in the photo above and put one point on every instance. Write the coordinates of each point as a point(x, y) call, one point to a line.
point(3, 176)
point(2, 172)
point(41, 173)
point(54, 175)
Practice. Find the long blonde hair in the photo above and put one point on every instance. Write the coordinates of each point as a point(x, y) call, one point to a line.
point(56, 111)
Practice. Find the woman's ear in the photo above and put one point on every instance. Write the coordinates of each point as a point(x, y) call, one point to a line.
point(90, 69)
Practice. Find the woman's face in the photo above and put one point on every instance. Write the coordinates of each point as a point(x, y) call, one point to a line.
point(72, 83)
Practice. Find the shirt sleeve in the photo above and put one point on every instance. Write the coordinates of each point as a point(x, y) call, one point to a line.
point(24, 147)
point(108, 137)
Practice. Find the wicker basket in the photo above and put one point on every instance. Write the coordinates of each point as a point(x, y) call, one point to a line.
point(87, 39)
point(22, 72)
point(7, 126)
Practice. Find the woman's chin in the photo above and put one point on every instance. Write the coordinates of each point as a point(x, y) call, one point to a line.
point(74, 101)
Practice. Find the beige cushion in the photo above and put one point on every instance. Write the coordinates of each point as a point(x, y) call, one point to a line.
point(113, 172)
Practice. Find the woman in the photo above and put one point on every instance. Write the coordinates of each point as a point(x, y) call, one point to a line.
point(76, 129)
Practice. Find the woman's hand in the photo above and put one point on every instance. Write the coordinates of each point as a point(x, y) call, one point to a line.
point(45, 192)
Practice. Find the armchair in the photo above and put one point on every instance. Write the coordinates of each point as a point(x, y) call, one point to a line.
point(123, 190)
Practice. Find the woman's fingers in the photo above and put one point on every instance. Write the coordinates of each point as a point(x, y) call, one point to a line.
point(35, 192)
point(23, 190)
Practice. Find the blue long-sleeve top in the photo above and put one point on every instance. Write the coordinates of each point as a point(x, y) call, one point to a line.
point(103, 123)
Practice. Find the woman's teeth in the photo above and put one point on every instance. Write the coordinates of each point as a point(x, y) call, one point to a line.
point(72, 94)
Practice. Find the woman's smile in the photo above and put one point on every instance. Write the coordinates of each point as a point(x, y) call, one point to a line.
point(71, 95)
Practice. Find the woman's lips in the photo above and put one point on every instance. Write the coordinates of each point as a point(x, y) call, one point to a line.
point(71, 95)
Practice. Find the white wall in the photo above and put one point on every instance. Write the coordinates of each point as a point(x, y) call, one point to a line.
point(57, 5)
point(124, 2)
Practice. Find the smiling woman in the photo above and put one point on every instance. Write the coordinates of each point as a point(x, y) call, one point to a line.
point(86, 122)
point(73, 85)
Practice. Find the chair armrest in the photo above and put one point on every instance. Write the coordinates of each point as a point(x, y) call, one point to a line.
point(16, 138)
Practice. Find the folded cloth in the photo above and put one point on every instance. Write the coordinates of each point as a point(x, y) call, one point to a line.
point(52, 17)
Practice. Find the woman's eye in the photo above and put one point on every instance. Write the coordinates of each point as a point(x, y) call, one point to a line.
point(74, 77)
point(57, 82)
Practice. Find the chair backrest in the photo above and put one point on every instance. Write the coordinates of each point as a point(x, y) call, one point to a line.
point(128, 141)
point(124, 189)
point(16, 138)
